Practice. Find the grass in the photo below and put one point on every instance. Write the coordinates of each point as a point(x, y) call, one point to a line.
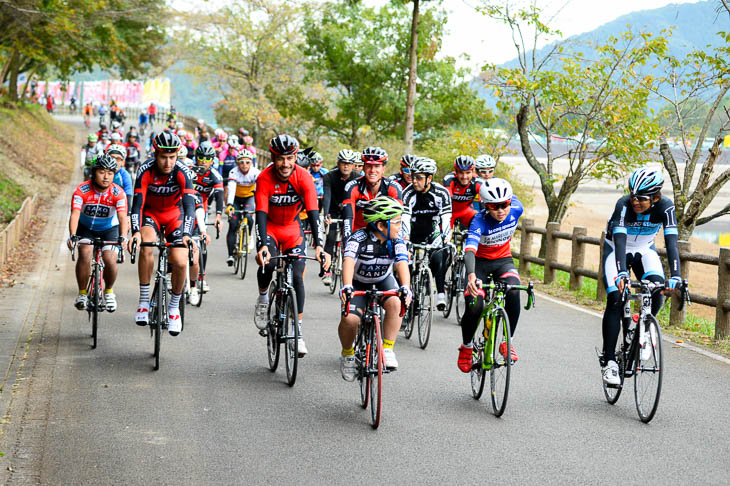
point(11, 198)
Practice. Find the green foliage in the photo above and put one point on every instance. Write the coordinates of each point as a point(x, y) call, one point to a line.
point(11, 198)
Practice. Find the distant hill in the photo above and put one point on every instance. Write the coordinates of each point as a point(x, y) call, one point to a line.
point(189, 97)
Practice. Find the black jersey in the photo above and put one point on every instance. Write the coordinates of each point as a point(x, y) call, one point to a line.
point(334, 192)
point(426, 215)
point(373, 259)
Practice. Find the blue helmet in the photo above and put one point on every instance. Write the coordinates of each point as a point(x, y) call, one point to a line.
point(646, 182)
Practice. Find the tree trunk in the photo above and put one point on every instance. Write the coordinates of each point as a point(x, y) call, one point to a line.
point(31, 73)
point(411, 97)
point(6, 67)
point(13, 81)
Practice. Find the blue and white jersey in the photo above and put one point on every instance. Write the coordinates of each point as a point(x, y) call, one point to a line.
point(319, 181)
point(641, 229)
point(490, 238)
point(124, 180)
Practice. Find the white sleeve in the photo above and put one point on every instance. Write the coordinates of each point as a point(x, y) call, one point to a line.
point(200, 218)
point(231, 191)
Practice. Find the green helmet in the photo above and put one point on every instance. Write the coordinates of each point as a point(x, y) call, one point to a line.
point(382, 208)
point(93, 138)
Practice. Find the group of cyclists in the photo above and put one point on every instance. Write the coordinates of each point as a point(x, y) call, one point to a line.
point(295, 196)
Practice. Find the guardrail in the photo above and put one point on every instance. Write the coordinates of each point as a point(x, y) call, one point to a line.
point(577, 270)
point(13, 232)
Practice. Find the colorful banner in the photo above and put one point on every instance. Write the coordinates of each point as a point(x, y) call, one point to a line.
point(125, 93)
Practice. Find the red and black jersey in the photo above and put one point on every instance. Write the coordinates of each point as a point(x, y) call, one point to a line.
point(462, 198)
point(400, 180)
point(210, 183)
point(159, 194)
point(357, 194)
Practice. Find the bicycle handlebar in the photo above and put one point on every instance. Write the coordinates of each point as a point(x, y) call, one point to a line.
point(650, 286)
point(505, 287)
point(378, 294)
point(95, 242)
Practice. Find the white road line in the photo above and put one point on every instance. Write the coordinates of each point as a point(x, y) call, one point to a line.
point(670, 338)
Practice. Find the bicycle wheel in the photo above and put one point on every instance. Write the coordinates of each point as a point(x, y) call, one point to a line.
point(425, 307)
point(611, 393)
point(648, 372)
point(237, 253)
point(375, 371)
point(156, 321)
point(361, 358)
point(450, 285)
point(334, 270)
point(477, 370)
point(460, 270)
point(272, 329)
point(412, 310)
point(182, 310)
point(499, 372)
point(290, 330)
point(95, 303)
point(200, 279)
point(244, 252)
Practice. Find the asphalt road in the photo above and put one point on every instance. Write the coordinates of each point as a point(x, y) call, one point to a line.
point(214, 413)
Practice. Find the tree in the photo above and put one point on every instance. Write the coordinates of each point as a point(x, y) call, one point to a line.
point(587, 114)
point(701, 79)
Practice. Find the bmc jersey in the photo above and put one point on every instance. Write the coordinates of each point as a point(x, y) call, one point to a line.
point(373, 259)
point(399, 179)
point(283, 201)
point(208, 184)
point(240, 184)
point(462, 197)
point(641, 229)
point(357, 195)
point(99, 210)
point(489, 238)
point(163, 193)
point(426, 215)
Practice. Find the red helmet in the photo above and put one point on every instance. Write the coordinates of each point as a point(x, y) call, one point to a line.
point(284, 145)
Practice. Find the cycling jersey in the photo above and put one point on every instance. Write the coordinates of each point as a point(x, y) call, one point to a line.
point(167, 199)
point(124, 180)
point(318, 180)
point(90, 154)
point(489, 238)
point(463, 198)
point(334, 192)
point(99, 210)
point(133, 151)
point(240, 184)
point(373, 259)
point(399, 179)
point(357, 194)
point(210, 184)
point(427, 215)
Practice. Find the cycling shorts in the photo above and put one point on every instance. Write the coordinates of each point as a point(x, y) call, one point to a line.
point(498, 269)
point(111, 234)
point(357, 304)
point(286, 237)
point(645, 262)
point(171, 219)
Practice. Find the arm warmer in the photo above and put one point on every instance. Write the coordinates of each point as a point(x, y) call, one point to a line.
point(672, 254)
point(470, 261)
point(619, 244)
point(218, 201)
point(327, 199)
point(316, 227)
point(261, 218)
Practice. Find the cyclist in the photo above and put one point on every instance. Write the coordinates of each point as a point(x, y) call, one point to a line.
point(190, 143)
point(208, 182)
point(282, 189)
point(241, 187)
point(103, 129)
point(117, 128)
point(98, 210)
point(163, 196)
point(404, 176)
point(367, 187)
point(134, 152)
point(334, 183)
point(88, 111)
point(464, 189)
point(487, 255)
point(629, 244)
point(427, 219)
point(88, 151)
point(485, 166)
point(318, 172)
point(122, 177)
point(371, 255)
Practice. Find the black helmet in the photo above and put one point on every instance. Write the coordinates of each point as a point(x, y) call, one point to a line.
point(166, 142)
point(374, 155)
point(304, 157)
point(205, 151)
point(283, 145)
point(243, 132)
point(105, 161)
point(407, 160)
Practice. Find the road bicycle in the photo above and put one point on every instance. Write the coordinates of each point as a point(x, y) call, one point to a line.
point(95, 285)
point(282, 316)
point(369, 349)
point(243, 238)
point(639, 354)
point(336, 265)
point(202, 262)
point(159, 319)
point(493, 344)
point(456, 277)
point(424, 295)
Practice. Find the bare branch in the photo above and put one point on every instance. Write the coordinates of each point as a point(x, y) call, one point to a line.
point(706, 219)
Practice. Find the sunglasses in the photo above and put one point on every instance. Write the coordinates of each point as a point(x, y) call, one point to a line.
point(486, 171)
point(405, 170)
point(498, 206)
point(419, 177)
point(243, 161)
point(205, 160)
point(640, 198)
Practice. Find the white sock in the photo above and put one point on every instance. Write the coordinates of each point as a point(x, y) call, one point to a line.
point(144, 294)
point(174, 301)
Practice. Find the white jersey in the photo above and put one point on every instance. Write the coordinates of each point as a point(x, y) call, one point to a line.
point(240, 184)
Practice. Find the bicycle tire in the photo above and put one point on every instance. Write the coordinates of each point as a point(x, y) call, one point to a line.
point(96, 303)
point(425, 314)
point(237, 254)
point(450, 285)
point(244, 255)
point(478, 374)
point(291, 345)
point(156, 323)
point(612, 394)
point(648, 372)
point(460, 270)
point(500, 368)
point(201, 278)
point(412, 310)
point(376, 372)
point(334, 270)
point(272, 337)
point(182, 309)
point(361, 355)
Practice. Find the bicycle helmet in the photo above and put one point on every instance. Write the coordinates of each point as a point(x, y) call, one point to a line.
point(200, 121)
point(347, 156)
point(646, 181)
point(93, 138)
point(104, 161)
point(382, 208)
point(495, 190)
point(179, 125)
point(244, 154)
point(115, 138)
point(485, 161)
point(464, 162)
point(182, 153)
point(374, 155)
point(248, 139)
point(233, 141)
point(103, 125)
point(283, 145)
point(116, 125)
point(243, 132)
point(223, 136)
point(181, 134)
point(116, 148)
point(303, 159)
point(166, 142)
point(407, 161)
point(316, 157)
point(423, 165)
point(189, 136)
point(205, 151)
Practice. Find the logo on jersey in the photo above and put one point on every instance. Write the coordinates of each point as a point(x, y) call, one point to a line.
point(284, 199)
point(96, 211)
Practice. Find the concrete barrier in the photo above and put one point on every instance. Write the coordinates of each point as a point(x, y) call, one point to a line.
point(13, 232)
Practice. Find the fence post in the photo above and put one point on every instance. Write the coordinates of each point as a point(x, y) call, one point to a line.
point(601, 283)
point(551, 251)
point(722, 315)
point(577, 257)
point(676, 318)
point(525, 246)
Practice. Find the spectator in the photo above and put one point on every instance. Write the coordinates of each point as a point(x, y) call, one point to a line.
point(152, 112)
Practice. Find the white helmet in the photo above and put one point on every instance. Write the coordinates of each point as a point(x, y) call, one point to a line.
point(182, 152)
point(200, 121)
point(495, 190)
point(217, 131)
point(179, 125)
point(116, 125)
point(485, 162)
point(117, 148)
point(116, 138)
point(423, 165)
point(244, 154)
point(233, 141)
point(348, 156)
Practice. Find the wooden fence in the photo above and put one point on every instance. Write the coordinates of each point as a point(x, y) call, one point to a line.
point(11, 235)
point(577, 270)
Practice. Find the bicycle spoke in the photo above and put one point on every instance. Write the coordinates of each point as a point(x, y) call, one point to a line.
point(499, 373)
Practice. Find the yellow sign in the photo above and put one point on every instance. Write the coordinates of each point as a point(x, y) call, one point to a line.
point(156, 91)
point(724, 239)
